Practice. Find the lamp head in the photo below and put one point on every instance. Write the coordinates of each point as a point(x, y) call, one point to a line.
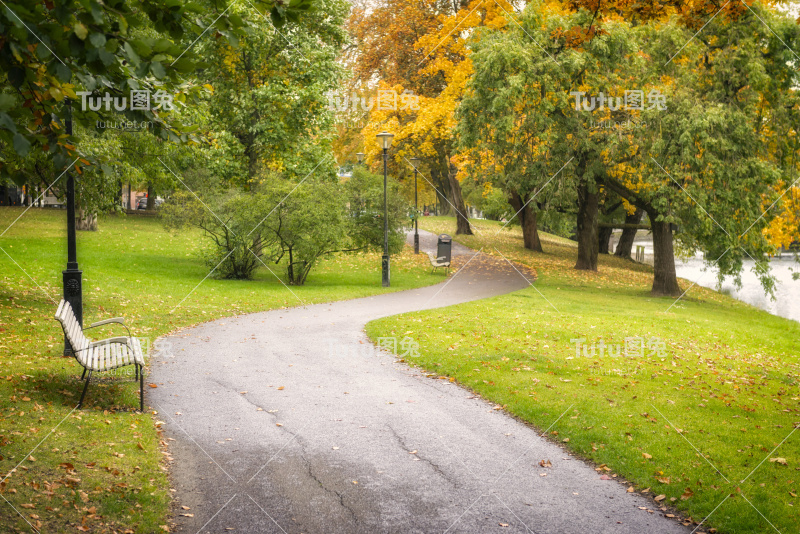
point(385, 140)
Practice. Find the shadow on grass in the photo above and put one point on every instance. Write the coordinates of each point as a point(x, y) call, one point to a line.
point(117, 392)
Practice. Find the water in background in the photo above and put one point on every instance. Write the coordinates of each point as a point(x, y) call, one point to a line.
point(787, 290)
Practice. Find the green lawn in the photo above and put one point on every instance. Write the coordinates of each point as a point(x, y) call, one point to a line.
point(724, 391)
point(101, 469)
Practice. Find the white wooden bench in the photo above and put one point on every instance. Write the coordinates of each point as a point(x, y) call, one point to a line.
point(105, 355)
point(438, 262)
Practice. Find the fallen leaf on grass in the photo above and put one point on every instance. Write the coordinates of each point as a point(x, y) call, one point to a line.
point(781, 461)
point(646, 456)
point(687, 493)
point(28, 505)
point(660, 498)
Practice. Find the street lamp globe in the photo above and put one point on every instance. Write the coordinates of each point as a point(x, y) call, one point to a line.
point(385, 140)
point(360, 156)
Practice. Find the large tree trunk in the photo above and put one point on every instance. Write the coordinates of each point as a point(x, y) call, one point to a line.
point(604, 236)
point(151, 198)
point(457, 199)
point(85, 220)
point(625, 245)
point(665, 281)
point(462, 223)
point(441, 185)
point(588, 244)
point(528, 219)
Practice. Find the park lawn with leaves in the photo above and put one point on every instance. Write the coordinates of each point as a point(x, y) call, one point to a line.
point(102, 467)
point(723, 395)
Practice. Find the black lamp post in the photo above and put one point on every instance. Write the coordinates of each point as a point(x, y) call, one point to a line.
point(360, 156)
point(385, 141)
point(414, 162)
point(72, 275)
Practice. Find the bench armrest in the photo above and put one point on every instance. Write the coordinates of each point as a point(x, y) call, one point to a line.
point(123, 340)
point(120, 320)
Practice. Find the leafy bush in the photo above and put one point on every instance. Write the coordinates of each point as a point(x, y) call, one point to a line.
point(295, 224)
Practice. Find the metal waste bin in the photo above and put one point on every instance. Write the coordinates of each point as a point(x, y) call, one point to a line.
point(444, 248)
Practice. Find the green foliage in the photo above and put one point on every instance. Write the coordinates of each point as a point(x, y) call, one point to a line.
point(227, 220)
point(308, 221)
point(53, 50)
point(365, 199)
point(720, 146)
point(268, 110)
point(293, 223)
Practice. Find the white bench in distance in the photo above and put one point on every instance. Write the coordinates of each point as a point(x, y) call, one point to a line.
point(439, 262)
point(105, 355)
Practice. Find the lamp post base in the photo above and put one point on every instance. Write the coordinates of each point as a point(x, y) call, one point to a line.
point(385, 264)
point(73, 294)
point(416, 243)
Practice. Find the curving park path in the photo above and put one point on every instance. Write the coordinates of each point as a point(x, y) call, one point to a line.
point(286, 422)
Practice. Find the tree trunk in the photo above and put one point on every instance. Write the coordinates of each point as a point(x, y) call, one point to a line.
point(665, 281)
point(85, 221)
point(604, 236)
point(528, 220)
point(462, 222)
point(588, 243)
point(625, 245)
point(151, 198)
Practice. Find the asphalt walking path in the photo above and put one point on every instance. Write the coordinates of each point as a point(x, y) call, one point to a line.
point(289, 422)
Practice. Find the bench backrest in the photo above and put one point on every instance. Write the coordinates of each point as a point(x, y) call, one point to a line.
point(72, 329)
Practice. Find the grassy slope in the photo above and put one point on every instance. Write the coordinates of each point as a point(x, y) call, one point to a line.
point(728, 379)
point(132, 268)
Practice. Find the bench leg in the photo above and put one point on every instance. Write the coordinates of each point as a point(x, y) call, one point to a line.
point(136, 366)
point(85, 387)
point(141, 387)
point(84, 373)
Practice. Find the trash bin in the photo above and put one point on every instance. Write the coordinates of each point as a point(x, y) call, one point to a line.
point(444, 248)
